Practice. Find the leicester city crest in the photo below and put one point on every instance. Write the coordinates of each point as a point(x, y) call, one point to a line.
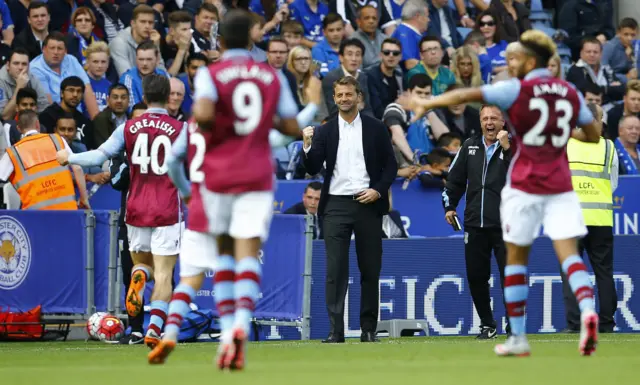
point(15, 253)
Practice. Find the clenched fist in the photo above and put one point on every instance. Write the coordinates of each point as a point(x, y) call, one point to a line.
point(503, 138)
point(307, 136)
point(62, 157)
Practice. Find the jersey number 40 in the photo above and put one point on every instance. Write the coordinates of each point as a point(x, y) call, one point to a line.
point(144, 156)
point(537, 136)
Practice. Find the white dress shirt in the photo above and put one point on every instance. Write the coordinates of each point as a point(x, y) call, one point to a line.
point(6, 166)
point(350, 172)
point(445, 32)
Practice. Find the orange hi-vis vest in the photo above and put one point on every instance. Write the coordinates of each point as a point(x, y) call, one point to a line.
point(38, 177)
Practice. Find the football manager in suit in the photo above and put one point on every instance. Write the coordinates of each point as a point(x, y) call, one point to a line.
point(360, 167)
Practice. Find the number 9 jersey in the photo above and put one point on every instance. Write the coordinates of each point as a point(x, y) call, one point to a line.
point(235, 156)
point(541, 112)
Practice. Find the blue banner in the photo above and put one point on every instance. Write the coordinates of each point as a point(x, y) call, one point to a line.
point(282, 259)
point(42, 261)
point(425, 279)
point(102, 245)
point(421, 208)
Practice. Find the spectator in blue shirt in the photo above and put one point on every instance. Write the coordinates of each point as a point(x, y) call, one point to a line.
point(310, 14)
point(476, 41)
point(618, 52)
point(273, 12)
point(415, 20)
point(54, 65)
point(97, 64)
point(496, 46)
point(256, 36)
point(325, 53)
point(7, 23)
point(147, 60)
point(194, 62)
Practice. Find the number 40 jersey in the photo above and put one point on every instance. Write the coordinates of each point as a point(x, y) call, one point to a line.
point(541, 112)
point(234, 157)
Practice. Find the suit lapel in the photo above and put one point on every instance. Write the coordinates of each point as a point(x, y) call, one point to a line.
point(367, 142)
point(334, 139)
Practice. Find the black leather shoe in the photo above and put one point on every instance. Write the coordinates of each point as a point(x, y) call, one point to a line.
point(368, 337)
point(334, 339)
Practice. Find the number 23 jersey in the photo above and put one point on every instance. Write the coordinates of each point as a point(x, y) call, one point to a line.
point(541, 112)
point(235, 155)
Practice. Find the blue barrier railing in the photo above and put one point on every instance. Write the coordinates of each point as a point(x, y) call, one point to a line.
point(65, 262)
point(421, 208)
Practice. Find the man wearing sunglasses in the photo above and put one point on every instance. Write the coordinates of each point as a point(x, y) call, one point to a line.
point(385, 79)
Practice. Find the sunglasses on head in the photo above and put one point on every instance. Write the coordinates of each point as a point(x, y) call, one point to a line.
point(387, 52)
point(487, 23)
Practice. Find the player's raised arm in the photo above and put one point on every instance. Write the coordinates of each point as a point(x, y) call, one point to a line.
point(501, 94)
point(107, 150)
point(175, 166)
point(287, 109)
point(591, 128)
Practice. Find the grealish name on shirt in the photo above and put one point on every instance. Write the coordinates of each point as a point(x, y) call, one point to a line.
point(160, 125)
point(243, 72)
point(546, 89)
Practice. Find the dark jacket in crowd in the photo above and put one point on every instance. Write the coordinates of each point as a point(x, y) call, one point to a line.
point(581, 77)
point(378, 83)
point(49, 118)
point(435, 27)
point(26, 40)
point(471, 122)
point(583, 18)
point(483, 199)
point(511, 29)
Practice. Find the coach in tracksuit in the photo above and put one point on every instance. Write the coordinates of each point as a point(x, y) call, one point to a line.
point(480, 169)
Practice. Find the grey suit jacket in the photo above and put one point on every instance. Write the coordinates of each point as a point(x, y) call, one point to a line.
point(327, 90)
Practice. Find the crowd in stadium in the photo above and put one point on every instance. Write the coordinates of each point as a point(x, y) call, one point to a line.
point(83, 62)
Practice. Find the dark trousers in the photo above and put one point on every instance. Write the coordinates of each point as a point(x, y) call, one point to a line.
point(479, 243)
point(599, 247)
point(342, 217)
point(126, 263)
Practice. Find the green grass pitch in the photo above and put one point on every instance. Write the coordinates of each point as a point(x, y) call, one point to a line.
point(433, 361)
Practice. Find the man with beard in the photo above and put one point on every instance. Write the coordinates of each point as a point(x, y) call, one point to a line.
point(354, 198)
point(71, 91)
point(114, 115)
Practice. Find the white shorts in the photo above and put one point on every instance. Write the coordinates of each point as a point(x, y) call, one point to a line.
point(157, 240)
point(522, 214)
point(198, 253)
point(243, 216)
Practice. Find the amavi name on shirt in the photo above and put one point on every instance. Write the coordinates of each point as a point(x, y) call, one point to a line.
point(153, 123)
point(553, 88)
point(233, 72)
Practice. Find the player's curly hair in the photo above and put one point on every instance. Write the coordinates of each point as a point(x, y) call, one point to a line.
point(538, 45)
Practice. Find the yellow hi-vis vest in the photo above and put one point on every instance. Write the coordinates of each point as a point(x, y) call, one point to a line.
point(590, 165)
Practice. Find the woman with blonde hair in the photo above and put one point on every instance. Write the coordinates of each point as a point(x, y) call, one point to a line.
point(302, 67)
point(555, 66)
point(466, 67)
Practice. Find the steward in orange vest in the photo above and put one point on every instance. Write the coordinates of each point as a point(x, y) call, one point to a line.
point(40, 181)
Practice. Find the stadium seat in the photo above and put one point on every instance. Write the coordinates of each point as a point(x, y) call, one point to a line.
point(464, 32)
point(11, 197)
point(551, 32)
point(538, 14)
